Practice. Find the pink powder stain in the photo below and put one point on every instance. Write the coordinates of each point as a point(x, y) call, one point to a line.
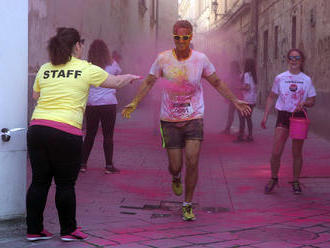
point(180, 87)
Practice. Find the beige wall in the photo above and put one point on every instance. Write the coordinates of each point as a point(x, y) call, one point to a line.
point(94, 21)
point(119, 23)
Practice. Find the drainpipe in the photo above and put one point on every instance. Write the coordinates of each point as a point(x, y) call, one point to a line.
point(255, 25)
point(157, 22)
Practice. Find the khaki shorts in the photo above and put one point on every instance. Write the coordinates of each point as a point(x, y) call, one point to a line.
point(175, 134)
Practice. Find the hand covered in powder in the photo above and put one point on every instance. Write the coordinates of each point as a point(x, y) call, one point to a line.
point(300, 107)
point(128, 110)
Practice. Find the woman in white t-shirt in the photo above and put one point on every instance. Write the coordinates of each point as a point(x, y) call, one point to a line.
point(249, 94)
point(294, 91)
point(101, 107)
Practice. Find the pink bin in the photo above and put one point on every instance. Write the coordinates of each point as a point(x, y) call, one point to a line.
point(299, 127)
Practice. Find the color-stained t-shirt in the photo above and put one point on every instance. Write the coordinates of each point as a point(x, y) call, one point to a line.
point(64, 90)
point(292, 89)
point(104, 96)
point(182, 96)
point(250, 96)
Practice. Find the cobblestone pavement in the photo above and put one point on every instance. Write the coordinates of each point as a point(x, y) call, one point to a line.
point(136, 208)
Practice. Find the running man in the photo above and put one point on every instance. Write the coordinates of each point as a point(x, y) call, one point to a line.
point(182, 107)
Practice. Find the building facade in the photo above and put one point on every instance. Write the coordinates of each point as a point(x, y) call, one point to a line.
point(266, 30)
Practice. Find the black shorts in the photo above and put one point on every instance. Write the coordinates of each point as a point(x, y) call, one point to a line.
point(175, 134)
point(283, 118)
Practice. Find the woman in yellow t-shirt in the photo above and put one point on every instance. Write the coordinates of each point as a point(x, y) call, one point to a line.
point(54, 137)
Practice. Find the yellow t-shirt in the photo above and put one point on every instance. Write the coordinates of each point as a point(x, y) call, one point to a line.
point(64, 90)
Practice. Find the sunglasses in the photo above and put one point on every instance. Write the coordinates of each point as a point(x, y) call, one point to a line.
point(82, 41)
point(182, 37)
point(297, 58)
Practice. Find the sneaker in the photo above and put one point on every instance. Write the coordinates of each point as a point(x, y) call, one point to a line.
point(83, 168)
point(296, 188)
point(187, 213)
point(43, 235)
point(77, 235)
point(111, 170)
point(271, 185)
point(249, 139)
point(177, 186)
point(239, 139)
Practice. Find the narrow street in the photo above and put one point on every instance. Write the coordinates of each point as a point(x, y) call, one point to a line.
point(136, 208)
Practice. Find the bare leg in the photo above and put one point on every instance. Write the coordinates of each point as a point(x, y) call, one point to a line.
point(249, 121)
point(174, 161)
point(280, 138)
point(230, 116)
point(241, 125)
point(192, 150)
point(297, 146)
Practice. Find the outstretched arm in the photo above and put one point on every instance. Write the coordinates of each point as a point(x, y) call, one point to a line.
point(144, 88)
point(117, 82)
point(269, 104)
point(223, 89)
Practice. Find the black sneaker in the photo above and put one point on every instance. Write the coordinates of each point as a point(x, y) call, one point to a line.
point(110, 169)
point(239, 139)
point(296, 188)
point(83, 168)
point(271, 185)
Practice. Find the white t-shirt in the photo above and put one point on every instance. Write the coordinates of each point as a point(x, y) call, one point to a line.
point(182, 96)
point(250, 96)
point(104, 96)
point(291, 90)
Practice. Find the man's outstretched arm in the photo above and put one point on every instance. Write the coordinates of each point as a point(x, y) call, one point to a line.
point(144, 88)
point(223, 89)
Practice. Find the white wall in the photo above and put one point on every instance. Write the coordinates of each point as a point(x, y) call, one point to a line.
point(13, 102)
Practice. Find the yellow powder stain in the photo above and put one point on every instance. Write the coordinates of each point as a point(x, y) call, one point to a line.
point(178, 74)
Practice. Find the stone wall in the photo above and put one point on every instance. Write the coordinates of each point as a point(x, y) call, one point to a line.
point(312, 36)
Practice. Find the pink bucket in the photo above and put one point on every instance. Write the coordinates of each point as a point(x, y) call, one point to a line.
point(299, 127)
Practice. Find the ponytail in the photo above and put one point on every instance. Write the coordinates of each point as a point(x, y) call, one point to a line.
point(61, 45)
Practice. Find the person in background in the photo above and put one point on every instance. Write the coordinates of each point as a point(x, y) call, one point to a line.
point(249, 95)
point(54, 137)
point(116, 58)
point(101, 107)
point(294, 92)
point(234, 83)
point(182, 107)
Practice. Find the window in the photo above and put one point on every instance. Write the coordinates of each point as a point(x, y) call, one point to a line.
point(276, 42)
point(294, 32)
point(142, 8)
point(153, 13)
point(265, 47)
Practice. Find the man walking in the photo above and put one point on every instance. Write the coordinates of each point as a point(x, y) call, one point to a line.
point(182, 107)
